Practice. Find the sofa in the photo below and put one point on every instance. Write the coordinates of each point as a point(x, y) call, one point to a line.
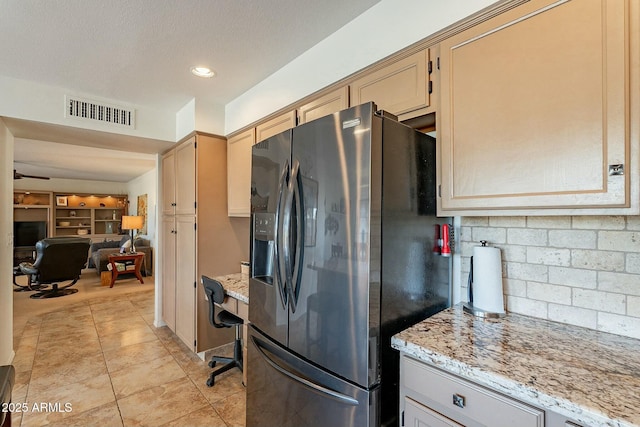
point(100, 251)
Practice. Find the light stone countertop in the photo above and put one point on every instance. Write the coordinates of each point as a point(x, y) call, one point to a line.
point(589, 376)
point(236, 285)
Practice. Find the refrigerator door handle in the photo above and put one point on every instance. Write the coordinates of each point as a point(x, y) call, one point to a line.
point(281, 283)
point(311, 385)
point(298, 199)
point(286, 232)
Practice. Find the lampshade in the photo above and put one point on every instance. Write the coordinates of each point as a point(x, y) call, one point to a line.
point(132, 222)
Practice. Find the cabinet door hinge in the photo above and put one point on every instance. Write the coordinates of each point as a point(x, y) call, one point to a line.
point(438, 62)
point(439, 190)
point(195, 226)
point(195, 205)
point(195, 343)
point(195, 145)
point(402, 422)
point(430, 86)
point(195, 285)
point(430, 67)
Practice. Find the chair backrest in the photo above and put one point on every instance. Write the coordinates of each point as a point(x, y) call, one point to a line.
point(61, 258)
point(215, 294)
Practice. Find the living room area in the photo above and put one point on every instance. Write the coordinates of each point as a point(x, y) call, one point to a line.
point(86, 209)
point(98, 351)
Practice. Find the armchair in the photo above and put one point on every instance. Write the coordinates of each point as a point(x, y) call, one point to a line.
point(57, 259)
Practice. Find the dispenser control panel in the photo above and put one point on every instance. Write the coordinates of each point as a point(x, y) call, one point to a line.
point(264, 226)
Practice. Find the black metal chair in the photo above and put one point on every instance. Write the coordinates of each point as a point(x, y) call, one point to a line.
point(57, 259)
point(215, 294)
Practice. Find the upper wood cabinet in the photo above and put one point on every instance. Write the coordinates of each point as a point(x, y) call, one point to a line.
point(539, 111)
point(179, 179)
point(169, 183)
point(275, 126)
point(323, 106)
point(186, 178)
point(239, 173)
point(401, 88)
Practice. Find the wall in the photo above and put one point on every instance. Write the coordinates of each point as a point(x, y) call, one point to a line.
point(6, 245)
point(199, 115)
point(145, 184)
point(384, 29)
point(71, 186)
point(581, 270)
point(34, 101)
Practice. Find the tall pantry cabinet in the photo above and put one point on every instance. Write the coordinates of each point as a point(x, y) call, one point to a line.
point(197, 236)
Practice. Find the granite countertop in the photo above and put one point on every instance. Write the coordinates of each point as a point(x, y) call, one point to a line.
point(236, 285)
point(589, 376)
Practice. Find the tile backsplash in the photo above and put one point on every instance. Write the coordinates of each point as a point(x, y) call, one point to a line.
point(581, 270)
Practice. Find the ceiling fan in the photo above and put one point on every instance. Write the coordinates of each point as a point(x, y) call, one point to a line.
point(18, 175)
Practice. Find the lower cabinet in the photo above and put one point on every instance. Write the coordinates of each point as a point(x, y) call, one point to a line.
point(169, 271)
point(431, 397)
point(418, 415)
point(179, 276)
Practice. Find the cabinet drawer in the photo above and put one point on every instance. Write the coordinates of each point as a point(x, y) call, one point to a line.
point(417, 415)
point(459, 399)
point(230, 304)
point(243, 310)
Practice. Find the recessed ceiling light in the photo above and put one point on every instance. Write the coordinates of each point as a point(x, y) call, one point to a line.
point(202, 72)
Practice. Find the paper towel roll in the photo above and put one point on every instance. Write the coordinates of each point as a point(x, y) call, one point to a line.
point(487, 279)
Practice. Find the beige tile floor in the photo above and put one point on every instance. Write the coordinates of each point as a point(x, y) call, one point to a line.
point(95, 358)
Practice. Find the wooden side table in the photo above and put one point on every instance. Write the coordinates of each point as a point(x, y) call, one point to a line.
point(137, 257)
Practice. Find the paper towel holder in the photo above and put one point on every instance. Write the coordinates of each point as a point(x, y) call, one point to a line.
point(468, 306)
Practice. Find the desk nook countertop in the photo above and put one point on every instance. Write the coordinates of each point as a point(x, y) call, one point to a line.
point(236, 285)
point(590, 376)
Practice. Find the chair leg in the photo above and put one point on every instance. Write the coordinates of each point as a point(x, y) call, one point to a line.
point(30, 285)
point(55, 291)
point(235, 362)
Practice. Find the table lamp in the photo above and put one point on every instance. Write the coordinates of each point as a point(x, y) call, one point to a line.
point(132, 223)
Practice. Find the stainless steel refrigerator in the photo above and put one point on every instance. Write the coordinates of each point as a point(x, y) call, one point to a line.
point(344, 254)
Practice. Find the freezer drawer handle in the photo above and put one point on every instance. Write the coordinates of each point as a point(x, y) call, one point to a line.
point(315, 387)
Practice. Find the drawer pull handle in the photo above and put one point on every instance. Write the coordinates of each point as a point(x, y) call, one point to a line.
point(458, 400)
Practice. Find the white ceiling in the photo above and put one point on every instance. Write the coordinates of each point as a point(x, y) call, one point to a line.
point(140, 52)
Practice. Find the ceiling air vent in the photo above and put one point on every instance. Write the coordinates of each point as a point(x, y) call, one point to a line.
point(87, 109)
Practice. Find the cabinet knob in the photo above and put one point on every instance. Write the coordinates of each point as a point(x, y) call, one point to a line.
point(458, 400)
point(173, 204)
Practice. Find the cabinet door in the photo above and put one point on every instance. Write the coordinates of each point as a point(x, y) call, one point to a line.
point(239, 173)
point(186, 178)
point(534, 111)
point(464, 401)
point(328, 104)
point(169, 272)
point(417, 415)
point(185, 267)
point(275, 126)
point(169, 183)
point(401, 88)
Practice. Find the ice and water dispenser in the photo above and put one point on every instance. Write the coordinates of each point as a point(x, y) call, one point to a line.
point(263, 246)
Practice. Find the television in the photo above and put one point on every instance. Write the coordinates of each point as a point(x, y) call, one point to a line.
point(28, 233)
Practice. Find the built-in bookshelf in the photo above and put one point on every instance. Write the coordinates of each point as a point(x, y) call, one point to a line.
point(89, 215)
